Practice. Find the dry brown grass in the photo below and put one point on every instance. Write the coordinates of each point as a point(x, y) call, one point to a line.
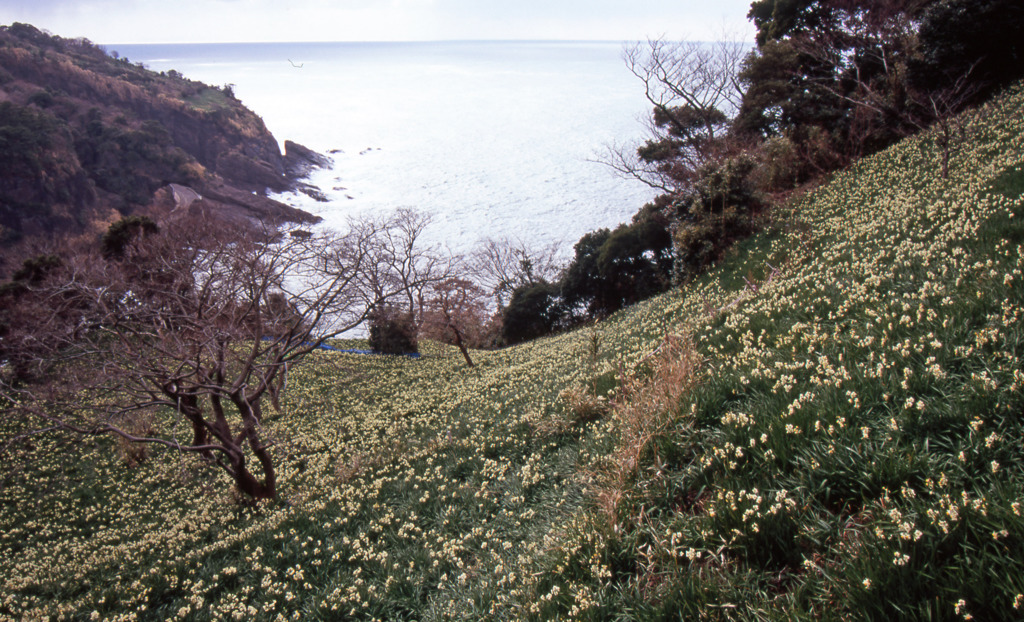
point(583, 406)
point(646, 407)
point(138, 424)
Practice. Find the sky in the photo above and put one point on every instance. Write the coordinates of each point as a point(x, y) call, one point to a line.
point(204, 21)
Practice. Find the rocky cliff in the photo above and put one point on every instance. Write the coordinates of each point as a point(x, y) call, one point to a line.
point(86, 138)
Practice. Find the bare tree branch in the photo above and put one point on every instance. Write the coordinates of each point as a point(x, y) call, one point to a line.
point(500, 266)
point(456, 314)
point(694, 90)
point(197, 326)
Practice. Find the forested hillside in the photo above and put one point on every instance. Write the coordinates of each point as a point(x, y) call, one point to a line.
point(86, 138)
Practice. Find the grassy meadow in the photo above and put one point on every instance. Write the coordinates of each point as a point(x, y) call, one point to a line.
point(828, 425)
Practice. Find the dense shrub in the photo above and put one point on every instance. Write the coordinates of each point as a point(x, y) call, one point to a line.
point(613, 269)
point(35, 269)
point(984, 38)
point(43, 99)
point(582, 287)
point(25, 134)
point(124, 232)
point(719, 211)
point(130, 163)
point(393, 331)
point(610, 270)
point(533, 311)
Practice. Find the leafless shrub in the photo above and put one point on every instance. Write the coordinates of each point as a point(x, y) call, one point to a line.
point(455, 312)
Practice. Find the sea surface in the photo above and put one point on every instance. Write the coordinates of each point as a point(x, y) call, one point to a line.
point(493, 139)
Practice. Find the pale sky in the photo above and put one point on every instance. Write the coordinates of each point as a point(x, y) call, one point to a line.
point(201, 21)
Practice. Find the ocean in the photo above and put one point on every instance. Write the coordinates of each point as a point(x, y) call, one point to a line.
point(492, 139)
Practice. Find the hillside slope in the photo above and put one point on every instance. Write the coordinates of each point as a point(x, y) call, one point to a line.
point(845, 441)
point(853, 447)
point(84, 136)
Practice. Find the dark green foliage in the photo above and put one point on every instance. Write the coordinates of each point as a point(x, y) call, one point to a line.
point(582, 285)
point(8, 294)
point(35, 172)
point(787, 19)
point(43, 99)
point(688, 136)
point(533, 311)
point(35, 269)
point(124, 232)
point(639, 253)
point(32, 271)
point(610, 270)
point(393, 331)
point(613, 269)
point(863, 74)
point(690, 130)
point(788, 93)
point(24, 135)
point(28, 32)
point(776, 19)
point(724, 185)
point(687, 121)
point(779, 94)
point(839, 66)
point(720, 211)
point(658, 150)
point(982, 37)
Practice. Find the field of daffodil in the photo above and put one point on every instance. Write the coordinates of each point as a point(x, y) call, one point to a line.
point(829, 425)
point(853, 444)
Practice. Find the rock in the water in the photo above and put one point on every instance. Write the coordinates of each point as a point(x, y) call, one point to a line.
point(300, 161)
point(313, 192)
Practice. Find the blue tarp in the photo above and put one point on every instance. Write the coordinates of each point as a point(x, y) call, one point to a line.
point(324, 346)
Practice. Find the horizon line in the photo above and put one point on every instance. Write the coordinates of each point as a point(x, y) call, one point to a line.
point(384, 41)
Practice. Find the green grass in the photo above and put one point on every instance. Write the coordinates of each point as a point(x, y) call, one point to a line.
point(209, 100)
point(853, 449)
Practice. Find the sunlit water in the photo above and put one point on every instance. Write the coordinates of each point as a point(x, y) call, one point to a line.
point(493, 139)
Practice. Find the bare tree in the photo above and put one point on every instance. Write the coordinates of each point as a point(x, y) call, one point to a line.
point(699, 76)
point(179, 341)
point(456, 313)
point(402, 261)
point(500, 266)
point(941, 107)
point(694, 90)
